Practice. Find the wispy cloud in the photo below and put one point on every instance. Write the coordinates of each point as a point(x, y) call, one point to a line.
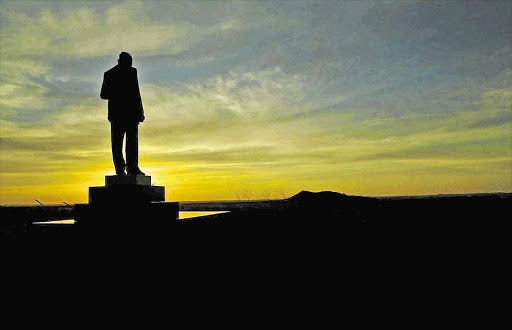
point(363, 97)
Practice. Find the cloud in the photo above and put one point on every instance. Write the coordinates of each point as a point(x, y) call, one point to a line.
point(442, 26)
point(360, 97)
point(82, 32)
point(246, 96)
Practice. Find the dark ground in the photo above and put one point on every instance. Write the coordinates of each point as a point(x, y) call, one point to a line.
point(306, 216)
point(329, 246)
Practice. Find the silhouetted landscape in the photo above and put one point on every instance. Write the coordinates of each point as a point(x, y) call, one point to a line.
point(322, 214)
point(178, 101)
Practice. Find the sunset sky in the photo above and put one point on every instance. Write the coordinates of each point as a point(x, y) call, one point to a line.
point(361, 97)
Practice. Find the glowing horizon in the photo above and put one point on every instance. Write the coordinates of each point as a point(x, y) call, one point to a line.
point(365, 98)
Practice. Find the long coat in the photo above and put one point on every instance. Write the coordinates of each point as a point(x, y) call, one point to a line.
point(121, 88)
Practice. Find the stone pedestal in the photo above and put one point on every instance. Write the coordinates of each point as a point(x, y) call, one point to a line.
point(124, 194)
point(113, 180)
point(126, 203)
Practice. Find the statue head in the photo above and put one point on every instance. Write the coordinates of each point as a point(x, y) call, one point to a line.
point(125, 60)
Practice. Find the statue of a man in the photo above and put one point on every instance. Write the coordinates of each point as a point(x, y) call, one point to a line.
point(121, 88)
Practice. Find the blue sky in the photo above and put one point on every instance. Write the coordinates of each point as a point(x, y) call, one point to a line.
point(361, 97)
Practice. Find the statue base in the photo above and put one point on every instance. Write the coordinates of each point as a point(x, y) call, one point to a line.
point(113, 180)
point(126, 203)
point(123, 194)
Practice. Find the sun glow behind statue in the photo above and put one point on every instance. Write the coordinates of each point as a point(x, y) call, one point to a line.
point(361, 97)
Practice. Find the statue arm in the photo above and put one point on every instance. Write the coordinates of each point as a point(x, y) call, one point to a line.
point(105, 92)
point(139, 99)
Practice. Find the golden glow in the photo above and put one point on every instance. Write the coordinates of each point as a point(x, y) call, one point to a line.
point(251, 132)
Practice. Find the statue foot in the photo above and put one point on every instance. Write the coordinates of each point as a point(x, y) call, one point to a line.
point(136, 171)
point(121, 173)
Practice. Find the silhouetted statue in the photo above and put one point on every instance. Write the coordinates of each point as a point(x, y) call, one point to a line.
point(121, 89)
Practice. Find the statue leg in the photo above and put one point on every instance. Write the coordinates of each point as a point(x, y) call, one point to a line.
point(132, 147)
point(117, 135)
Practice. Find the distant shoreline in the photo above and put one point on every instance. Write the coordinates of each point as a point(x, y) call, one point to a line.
point(233, 201)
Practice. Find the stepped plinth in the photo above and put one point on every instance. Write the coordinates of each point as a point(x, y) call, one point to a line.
point(126, 189)
point(142, 180)
point(126, 202)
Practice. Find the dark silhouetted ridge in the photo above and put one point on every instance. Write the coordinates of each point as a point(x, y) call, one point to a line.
point(308, 196)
